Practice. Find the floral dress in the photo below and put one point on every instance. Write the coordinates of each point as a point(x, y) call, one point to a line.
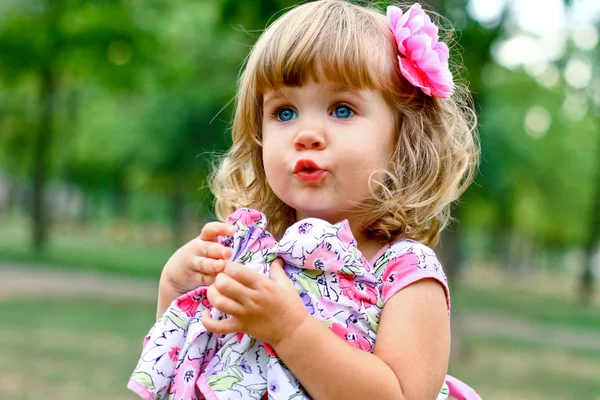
point(181, 360)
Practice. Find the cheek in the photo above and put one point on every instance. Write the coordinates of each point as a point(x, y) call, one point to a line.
point(369, 163)
point(272, 162)
point(359, 170)
point(384, 150)
point(373, 156)
point(267, 159)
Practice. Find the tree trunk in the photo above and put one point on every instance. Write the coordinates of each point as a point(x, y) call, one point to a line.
point(120, 195)
point(12, 193)
point(502, 248)
point(83, 219)
point(41, 158)
point(586, 286)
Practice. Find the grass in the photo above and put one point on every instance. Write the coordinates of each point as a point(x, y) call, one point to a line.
point(112, 249)
point(504, 369)
point(67, 349)
point(519, 303)
point(547, 298)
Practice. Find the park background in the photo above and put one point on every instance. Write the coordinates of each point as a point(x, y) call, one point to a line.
point(112, 111)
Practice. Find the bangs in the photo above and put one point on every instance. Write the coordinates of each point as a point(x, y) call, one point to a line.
point(345, 44)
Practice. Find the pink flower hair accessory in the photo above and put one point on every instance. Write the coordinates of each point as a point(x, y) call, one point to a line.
point(423, 58)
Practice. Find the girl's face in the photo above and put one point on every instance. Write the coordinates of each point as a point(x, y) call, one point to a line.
point(321, 143)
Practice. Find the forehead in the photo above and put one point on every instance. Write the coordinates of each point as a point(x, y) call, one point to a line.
point(325, 41)
point(320, 86)
point(333, 75)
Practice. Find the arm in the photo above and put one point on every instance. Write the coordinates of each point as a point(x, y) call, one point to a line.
point(410, 358)
point(166, 294)
point(411, 352)
point(414, 338)
point(193, 265)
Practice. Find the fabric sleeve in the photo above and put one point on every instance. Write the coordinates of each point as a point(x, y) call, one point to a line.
point(410, 262)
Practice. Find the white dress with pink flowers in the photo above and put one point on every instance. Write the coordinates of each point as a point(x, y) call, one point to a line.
point(182, 360)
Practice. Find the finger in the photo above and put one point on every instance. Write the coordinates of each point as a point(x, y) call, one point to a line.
point(278, 262)
point(277, 273)
point(222, 302)
point(279, 276)
point(207, 266)
point(224, 326)
point(244, 275)
point(212, 230)
point(211, 249)
point(205, 280)
point(232, 289)
point(198, 279)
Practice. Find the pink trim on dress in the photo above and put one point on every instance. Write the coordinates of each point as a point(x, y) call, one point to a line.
point(460, 390)
point(414, 277)
point(139, 390)
point(378, 254)
point(205, 389)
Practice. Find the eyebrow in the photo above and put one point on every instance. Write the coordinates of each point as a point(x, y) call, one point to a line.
point(350, 90)
point(273, 95)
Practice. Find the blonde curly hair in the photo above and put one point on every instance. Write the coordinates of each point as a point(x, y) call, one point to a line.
point(436, 147)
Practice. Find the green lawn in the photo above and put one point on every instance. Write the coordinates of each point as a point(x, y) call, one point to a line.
point(527, 304)
point(503, 369)
point(70, 349)
point(97, 250)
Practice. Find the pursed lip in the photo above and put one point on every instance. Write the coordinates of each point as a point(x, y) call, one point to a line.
point(306, 165)
point(309, 171)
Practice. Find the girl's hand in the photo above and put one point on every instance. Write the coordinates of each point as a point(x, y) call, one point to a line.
point(266, 309)
point(195, 264)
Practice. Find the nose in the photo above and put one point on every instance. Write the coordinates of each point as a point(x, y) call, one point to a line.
point(309, 139)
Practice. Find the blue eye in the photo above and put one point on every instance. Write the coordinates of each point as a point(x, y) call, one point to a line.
point(343, 112)
point(286, 114)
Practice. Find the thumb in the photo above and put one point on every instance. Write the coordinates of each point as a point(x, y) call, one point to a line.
point(277, 273)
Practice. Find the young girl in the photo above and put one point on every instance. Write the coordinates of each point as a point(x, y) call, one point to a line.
point(352, 141)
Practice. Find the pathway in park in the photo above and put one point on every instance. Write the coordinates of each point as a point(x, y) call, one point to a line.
point(30, 282)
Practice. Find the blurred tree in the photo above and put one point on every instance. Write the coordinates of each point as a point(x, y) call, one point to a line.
point(202, 52)
point(527, 173)
point(587, 280)
point(539, 143)
point(55, 43)
point(593, 235)
point(193, 82)
point(15, 123)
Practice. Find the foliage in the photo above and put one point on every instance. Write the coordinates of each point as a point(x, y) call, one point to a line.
point(144, 94)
